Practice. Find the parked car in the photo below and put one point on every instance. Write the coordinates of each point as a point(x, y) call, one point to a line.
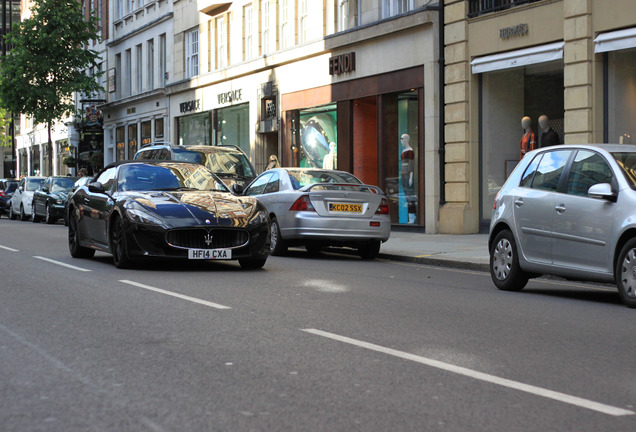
point(568, 211)
point(165, 209)
point(316, 208)
point(7, 188)
point(78, 183)
point(229, 163)
point(49, 201)
point(20, 203)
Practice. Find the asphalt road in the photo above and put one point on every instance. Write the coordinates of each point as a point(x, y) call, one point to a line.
point(326, 343)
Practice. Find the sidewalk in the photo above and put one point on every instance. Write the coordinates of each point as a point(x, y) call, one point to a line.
point(468, 251)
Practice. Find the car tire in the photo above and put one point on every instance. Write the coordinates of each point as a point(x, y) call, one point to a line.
point(252, 263)
point(12, 215)
point(118, 246)
point(23, 216)
point(74, 247)
point(34, 217)
point(625, 274)
point(47, 216)
point(277, 246)
point(505, 271)
point(370, 250)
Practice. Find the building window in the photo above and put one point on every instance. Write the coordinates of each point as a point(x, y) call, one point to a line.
point(248, 32)
point(146, 133)
point(194, 129)
point(158, 128)
point(132, 140)
point(286, 31)
point(139, 71)
point(118, 76)
point(265, 24)
point(119, 9)
point(128, 73)
point(303, 21)
point(231, 126)
point(192, 53)
point(163, 72)
point(129, 6)
point(479, 7)
point(221, 43)
point(396, 7)
point(150, 64)
point(120, 143)
point(347, 14)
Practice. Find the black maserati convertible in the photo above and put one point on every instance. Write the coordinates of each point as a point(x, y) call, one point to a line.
point(165, 209)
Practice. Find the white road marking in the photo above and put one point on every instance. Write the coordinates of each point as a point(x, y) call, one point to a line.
point(62, 264)
point(561, 397)
point(9, 249)
point(181, 296)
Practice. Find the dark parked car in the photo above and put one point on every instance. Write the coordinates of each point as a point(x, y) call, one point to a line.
point(7, 187)
point(229, 163)
point(49, 201)
point(165, 209)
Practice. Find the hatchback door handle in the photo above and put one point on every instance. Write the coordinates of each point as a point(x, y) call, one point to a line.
point(519, 202)
point(560, 208)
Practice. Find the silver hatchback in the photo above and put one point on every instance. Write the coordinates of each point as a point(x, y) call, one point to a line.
point(570, 211)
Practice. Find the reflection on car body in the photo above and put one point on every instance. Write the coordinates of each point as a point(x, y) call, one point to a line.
point(165, 209)
point(569, 211)
point(318, 207)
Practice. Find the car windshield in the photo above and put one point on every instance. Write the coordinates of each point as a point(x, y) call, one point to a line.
point(62, 184)
point(187, 156)
point(11, 186)
point(228, 164)
point(33, 184)
point(302, 178)
point(168, 177)
point(627, 162)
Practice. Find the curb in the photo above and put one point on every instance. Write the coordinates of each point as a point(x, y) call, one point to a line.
point(437, 262)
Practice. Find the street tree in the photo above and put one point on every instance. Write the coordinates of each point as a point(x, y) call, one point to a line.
point(50, 52)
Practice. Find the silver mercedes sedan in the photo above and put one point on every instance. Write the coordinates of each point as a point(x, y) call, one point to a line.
point(316, 208)
point(568, 210)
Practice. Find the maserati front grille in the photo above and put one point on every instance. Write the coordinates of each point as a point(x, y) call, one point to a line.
point(201, 238)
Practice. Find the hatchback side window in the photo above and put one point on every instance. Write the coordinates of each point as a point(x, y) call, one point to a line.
point(273, 185)
point(549, 170)
point(258, 186)
point(588, 168)
point(528, 175)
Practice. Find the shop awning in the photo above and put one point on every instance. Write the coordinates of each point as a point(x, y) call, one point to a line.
point(212, 7)
point(616, 40)
point(518, 58)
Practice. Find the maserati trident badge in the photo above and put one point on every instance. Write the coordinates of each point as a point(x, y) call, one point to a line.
point(208, 239)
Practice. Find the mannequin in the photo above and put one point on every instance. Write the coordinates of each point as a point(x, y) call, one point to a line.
point(330, 161)
point(407, 165)
point(547, 135)
point(273, 163)
point(528, 140)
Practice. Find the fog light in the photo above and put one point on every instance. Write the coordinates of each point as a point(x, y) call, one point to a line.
point(374, 224)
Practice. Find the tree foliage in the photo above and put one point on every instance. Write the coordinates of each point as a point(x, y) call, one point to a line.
point(5, 122)
point(50, 52)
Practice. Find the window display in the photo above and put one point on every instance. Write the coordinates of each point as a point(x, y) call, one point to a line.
point(231, 127)
point(318, 138)
point(621, 106)
point(194, 129)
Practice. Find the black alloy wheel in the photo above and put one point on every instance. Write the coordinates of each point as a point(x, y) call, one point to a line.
point(74, 247)
point(504, 264)
point(34, 217)
point(277, 246)
point(118, 245)
point(47, 215)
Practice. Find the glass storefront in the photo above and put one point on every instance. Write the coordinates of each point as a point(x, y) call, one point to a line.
point(121, 142)
point(231, 127)
point(193, 129)
point(159, 129)
point(146, 133)
point(318, 135)
point(132, 140)
point(621, 97)
point(508, 96)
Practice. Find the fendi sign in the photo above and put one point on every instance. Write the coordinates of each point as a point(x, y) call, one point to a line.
point(342, 63)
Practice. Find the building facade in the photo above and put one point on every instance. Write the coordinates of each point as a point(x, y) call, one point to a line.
point(324, 83)
point(572, 61)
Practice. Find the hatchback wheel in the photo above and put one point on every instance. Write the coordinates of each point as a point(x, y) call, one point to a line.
point(23, 216)
point(504, 263)
point(626, 274)
point(277, 245)
point(74, 247)
point(12, 215)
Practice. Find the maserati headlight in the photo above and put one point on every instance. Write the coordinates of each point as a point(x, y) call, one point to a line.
point(260, 217)
point(137, 213)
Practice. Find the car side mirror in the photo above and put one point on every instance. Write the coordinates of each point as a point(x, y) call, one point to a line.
point(602, 191)
point(96, 187)
point(45, 188)
point(21, 189)
point(237, 189)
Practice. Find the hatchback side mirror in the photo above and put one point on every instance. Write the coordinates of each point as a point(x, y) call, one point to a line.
point(602, 191)
point(237, 189)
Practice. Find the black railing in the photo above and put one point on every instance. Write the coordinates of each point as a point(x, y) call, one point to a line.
point(480, 7)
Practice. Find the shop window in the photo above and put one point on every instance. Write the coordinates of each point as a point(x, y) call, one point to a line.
point(317, 136)
point(621, 93)
point(158, 128)
point(232, 127)
point(194, 129)
point(132, 140)
point(508, 96)
point(146, 133)
point(121, 142)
